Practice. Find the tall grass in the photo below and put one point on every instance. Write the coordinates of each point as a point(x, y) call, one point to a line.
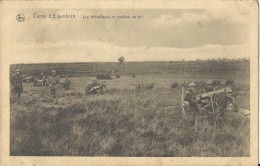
point(120, 123)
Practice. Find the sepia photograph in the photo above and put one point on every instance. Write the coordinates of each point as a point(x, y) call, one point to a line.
point(131, 82)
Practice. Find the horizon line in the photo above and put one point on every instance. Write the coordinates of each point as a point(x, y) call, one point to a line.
point(202, 60)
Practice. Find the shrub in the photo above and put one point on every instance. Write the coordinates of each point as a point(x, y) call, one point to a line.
point(184, 84)
point(216, 82)
point(174, 85)
point(145, 86)
point(229, 82)
point(104, 77)
point(200, 83)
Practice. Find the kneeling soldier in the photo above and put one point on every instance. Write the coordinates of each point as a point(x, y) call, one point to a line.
point(208, 87)
point(228, 103)
point(190, 99)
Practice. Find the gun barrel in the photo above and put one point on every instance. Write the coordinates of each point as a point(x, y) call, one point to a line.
point(215, 92)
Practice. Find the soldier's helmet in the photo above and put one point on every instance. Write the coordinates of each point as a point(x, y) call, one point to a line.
point(208, 82)
point(192, 84)
point(228, 90)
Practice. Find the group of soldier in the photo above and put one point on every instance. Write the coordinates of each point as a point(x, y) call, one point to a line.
point(194, 103)
point(52, 82)
point(198, 103)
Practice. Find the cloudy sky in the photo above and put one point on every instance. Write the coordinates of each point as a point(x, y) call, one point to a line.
point(160, 35)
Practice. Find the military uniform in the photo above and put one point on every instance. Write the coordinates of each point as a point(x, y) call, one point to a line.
point(53, 82)
point(44, 81)
point(189, 97)
point(228, 104)
point(67, 84)
point(41, 77)
point(94, 84)
point(17, 83)
point(192, 108)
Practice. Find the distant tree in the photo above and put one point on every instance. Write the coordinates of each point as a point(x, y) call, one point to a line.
point(121, 60)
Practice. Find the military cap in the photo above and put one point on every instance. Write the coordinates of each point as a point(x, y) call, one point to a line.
point(192, 84)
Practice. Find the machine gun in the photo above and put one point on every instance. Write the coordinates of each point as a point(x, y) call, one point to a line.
point(208, 100)
point(96, 89)
point(213, 98)
point(209, 94)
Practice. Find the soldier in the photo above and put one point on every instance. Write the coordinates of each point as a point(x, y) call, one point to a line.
point(228, 104)
point(208, 87)
point(35, 81)
point(41, 76)
point(67, 83)
point(17, 82)
point(53, 83)
point(94, 83)
point(44, 81)
point(94, 86)
point(191, 101)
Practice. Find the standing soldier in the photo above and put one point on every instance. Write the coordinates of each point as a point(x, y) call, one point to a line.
point(43, 78)
point(53, 83)
point(44, 81)
point(17, 82)
point(191, 101)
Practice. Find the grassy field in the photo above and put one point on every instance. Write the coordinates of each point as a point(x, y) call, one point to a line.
point(219, 69)
point(125, 121)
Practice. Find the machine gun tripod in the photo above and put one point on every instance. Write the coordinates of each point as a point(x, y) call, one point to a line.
point(210, 100)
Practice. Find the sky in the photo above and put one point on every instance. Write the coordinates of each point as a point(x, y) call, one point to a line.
point(160, 35)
